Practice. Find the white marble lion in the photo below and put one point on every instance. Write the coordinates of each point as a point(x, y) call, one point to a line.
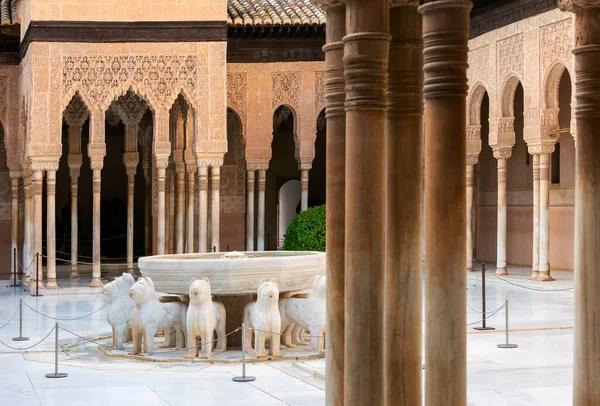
point(263, 318)
point(150, 316)
point(118, 312)
point(309, 314)
point(204, 317)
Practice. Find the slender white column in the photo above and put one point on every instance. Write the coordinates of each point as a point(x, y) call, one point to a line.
point(51, 227)
point(544, 266)
point(74, 165)
point(502, 157)
point(36, 198)
point(189, 229)
point(250, 211)
point(27, 249)
point(131, 161)
point(304, 189)
point(262, 180)
point(15, 176)
point(470, 176)
point(203, 208)
point(161, 167)
point(215, 208)
point(179, 205)
point(535, 270)
point(96, 199)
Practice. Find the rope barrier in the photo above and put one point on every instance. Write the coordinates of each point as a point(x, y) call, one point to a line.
point(11, 319)
point(31, 346)
point(488, 315)
point(477, 311)
point(529, 288)
point(66, 319)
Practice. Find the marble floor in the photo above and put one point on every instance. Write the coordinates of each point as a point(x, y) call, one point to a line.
point(538, 372)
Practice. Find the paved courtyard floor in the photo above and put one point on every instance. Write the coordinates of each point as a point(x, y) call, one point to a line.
point(538, 372)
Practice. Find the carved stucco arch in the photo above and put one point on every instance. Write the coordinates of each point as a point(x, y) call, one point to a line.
point(140, 90)
point(507, 96)
point(474, 104)
point(297, 140)
point(552, 83)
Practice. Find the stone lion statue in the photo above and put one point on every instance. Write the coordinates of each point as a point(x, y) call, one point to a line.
point(308, 314)
point(263, 318)
point(118, 312)
point(149, 316)
point(204, 317)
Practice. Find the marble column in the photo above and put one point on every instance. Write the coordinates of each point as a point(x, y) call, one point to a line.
point(304, 189)
point(96, 165)
point(470, 201)
point(502, 158)
point(27, 218)
point(37, 179)
point(15, 177)
point(131, 161)
point(169, 233)
point(51, 225)
point(75, 162)
point(179, 206)
point(445, 37)
point(586, 390)
point(203, 207)
point(544, 266)
point(161, 239)
point(190, 187)
point(403, 210)
point(366, 53)
point(535, 270)
point(147, 205)
point(215, 205)
point(260, 224)
point(335, 195)
point(250, 186)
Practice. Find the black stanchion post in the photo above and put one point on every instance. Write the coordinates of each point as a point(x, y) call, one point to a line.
point(507, 345)
point(38, 274)
point(483, 327)
point(56, 374)
point(20, 337)
point(244, 378)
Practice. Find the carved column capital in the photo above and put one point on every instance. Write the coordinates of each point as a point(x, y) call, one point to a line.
point(540, 147)
point(214, 162)
point(16, 173)
point(131, 161)
point(75, 161)
point(502, 153)
point(257, 165)
point(472, 159)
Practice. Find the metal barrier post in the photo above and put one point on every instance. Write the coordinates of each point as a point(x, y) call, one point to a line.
point(483, 309)
point(56, 374)
point(507, 345)
point(20, 337)
point(38, 275)
point(244, 378)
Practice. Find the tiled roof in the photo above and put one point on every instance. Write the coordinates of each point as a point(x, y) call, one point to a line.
point(8, 12)
point(273, 12)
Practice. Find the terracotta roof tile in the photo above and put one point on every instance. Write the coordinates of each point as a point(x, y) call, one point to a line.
point(273, 12)
point(8, 12)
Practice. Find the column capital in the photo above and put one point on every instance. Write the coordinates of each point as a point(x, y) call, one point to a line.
point(539, 147)
point(161, 161)
point(15, 173)
point(131, 161)
point(576, 6)
point(257, 165)
point(305, 164)
point(473, 139)
point(472, 159)
point(210, 161)
point(501, 152)
point(41, 165)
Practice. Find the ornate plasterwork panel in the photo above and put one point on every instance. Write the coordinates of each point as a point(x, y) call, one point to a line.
point(319, 91)
point(510, 57)
point(556, 43)
point(236, 92)
point(478, 65)
point(100, 77)
point(3, 99)
point(285, 89)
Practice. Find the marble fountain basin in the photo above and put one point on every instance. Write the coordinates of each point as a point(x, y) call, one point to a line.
point(234, 273)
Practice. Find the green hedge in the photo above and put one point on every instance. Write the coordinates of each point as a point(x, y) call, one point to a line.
point(306, 232)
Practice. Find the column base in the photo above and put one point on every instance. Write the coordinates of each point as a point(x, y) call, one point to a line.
point(51, 284)
point(32, 288)
point(26, 280)
point(501, 271)
point(96, 283)
point(534, 275)
point(130, 269)
point(74, 273)
point(545, 276)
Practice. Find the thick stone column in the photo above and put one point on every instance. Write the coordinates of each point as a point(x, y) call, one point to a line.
point(544, 266)
point(470, 211)
point(203, 206)
point(179, 205)
point(366, 53)
point(51, 225)
point(335, 194)
point(37, 179)
point(304, 189)
point(403, 215)
point(445, 36)
point(502, 156)
point(535, 269)
point(131, 161)
point(15, 177)
point(161, 239)
point(190, 167)
point(586, 390)
point(250, 210)
point(260, 224)
point(27, 218)
point(215, 206)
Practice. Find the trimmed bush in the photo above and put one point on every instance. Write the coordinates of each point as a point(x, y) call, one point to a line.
point(306, 232)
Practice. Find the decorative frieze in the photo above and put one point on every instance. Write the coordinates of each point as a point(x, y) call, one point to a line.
point(285, 89)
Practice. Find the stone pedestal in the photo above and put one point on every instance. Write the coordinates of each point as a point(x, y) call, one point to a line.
point(445, 36)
